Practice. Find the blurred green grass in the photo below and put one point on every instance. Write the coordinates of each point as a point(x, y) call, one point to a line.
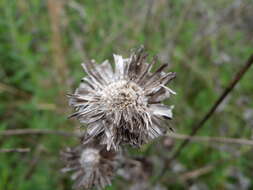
point(41, 49)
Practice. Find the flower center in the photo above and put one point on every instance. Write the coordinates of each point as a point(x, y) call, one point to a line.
point(89, 157)
point(122, 94)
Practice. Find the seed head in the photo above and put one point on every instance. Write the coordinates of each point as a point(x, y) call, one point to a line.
point(91, 165)
point(124, 105)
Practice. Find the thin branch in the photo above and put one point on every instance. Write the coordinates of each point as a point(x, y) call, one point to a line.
point(201, 123)
point(230, 87)
point(13, 90)
point(34, 162)
point(14, 132)
point(211, 139)
point(196, 173)
point(20, 150)
point(182, 178)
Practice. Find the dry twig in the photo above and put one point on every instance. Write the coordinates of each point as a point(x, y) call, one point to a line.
point(201, 123)
point(230, 87)
point(20, 150)
point(14, 132)
point(211, 139)
point(13, 90)
point(34, 162)
point(197, 172)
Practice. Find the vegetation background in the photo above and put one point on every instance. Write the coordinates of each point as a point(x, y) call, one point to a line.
point(43, 42)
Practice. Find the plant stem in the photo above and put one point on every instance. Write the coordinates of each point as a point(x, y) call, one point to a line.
point(201, 123)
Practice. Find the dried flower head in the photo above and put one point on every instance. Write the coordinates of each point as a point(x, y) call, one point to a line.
point(91, 165)
point(123, 105)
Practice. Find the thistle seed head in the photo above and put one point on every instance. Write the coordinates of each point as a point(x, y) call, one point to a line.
point(124, 105)
point(90, 164)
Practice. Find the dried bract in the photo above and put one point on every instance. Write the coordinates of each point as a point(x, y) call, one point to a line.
point(123, 105)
